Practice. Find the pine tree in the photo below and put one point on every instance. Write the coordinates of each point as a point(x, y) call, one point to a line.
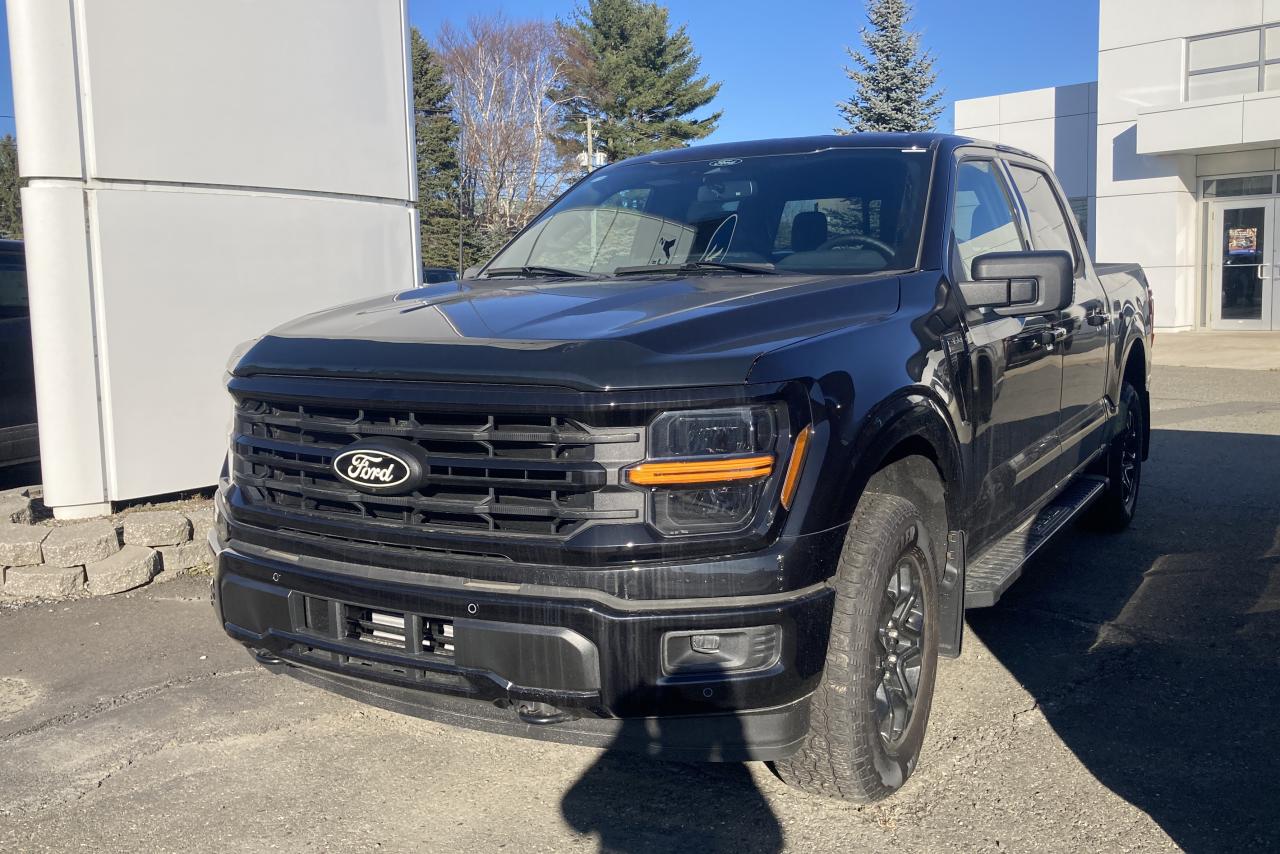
point(10, 199)
point(635, 76)
point(438, 161)
point(893, 81)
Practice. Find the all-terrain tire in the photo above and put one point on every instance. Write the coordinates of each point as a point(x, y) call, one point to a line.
point(1114, 509)
point(844, 754)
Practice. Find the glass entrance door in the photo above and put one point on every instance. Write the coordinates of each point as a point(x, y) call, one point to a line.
point(1242, 267)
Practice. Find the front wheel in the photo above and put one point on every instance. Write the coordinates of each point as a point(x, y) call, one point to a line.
point(867, 717)
point(1114, 510)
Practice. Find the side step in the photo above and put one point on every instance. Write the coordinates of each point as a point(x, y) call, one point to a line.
point(991, 573)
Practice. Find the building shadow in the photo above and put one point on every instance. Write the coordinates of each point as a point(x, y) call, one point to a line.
point(1155, 654)
point(635, 803)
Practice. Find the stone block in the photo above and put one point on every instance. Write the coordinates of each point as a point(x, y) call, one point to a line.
point(46, 582)
point(184, 556)
point(201, 522)
point(156, 528)
point(80, 543)
point(20, 544)
point(132, 566)
point(16, 507)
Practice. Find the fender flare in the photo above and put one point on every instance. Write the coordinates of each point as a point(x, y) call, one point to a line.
point(911, 415)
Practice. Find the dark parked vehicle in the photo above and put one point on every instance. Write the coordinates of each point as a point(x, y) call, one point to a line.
point(436, 275)
point(19, 442)
point(707, 462)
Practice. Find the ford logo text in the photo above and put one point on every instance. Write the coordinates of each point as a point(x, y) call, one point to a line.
point(372, 468)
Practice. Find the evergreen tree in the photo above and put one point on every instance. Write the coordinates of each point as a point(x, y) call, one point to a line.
point(894, 79)
point(438, 162)
point(636, 77)
point(10, 200)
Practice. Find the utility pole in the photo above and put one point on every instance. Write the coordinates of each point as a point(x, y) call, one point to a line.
point(591, 149)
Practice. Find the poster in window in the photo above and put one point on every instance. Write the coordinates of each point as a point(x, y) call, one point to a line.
point(1242, 241)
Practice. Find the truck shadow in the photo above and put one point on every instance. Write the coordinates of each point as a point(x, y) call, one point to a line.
point(633, 803)
point(1155, 654)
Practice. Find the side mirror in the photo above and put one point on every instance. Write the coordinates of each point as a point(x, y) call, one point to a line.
point(1016, 284)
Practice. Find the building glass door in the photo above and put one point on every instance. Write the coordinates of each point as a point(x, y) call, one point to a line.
point(1243, 264)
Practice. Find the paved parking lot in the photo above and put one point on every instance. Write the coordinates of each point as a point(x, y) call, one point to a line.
point(1122, 698)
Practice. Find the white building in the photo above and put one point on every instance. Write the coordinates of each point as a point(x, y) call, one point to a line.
point(1171, 158)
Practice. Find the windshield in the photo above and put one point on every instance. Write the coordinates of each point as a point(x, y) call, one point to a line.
point(853, 210)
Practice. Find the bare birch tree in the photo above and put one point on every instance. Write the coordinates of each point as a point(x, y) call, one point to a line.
point(502, 73)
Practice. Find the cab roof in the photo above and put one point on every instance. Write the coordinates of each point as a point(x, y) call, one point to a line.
point(803, 144)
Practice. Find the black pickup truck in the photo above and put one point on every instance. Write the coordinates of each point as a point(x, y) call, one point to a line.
point(706, 463)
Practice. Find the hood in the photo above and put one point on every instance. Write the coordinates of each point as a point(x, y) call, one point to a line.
point(583, 333)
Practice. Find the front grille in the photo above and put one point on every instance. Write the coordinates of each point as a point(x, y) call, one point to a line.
point(490, 474)
point(364, 640)
point(393, 631)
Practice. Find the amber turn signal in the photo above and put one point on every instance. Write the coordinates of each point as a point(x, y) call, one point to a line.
point(701, 471)
point(792, 480)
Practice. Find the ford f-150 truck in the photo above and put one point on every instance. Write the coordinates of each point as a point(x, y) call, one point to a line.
point(707, 462)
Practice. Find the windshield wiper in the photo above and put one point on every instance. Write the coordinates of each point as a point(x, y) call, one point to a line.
point(534, 270)
point(761, 267)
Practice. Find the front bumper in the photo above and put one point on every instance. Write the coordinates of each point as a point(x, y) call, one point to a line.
point(589, 664)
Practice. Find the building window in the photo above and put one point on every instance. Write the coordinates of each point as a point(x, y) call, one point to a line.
point(1250, 185)
point(1080, 207)
point(1233, 63)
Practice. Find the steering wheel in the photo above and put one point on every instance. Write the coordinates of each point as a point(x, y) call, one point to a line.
point(852, 240)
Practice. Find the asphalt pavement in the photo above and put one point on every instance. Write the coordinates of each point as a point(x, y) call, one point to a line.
point(1122, 697)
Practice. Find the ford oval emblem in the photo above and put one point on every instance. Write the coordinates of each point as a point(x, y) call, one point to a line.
point(374, 469)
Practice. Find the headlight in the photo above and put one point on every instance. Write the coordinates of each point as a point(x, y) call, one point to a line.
point(708, 468)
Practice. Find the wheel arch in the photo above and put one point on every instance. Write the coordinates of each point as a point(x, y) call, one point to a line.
point(897, 439)
point(1135, 369)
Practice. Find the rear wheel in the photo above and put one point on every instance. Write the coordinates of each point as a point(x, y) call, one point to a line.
point(1114, 510)
point(868, 715)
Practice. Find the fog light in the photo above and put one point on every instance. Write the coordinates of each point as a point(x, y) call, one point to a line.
point(721, 651)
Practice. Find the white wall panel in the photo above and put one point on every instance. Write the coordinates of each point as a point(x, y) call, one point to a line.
point(1154, 229)
point(295, 94)
point(1232, 162)
point(1122, 170)
point(63, 338)
point(977, 112)
point(1129, 22)
point(185, 276)
point(1191, 126)
point(1146, 75)
point(1261, 117)
point(45, 95)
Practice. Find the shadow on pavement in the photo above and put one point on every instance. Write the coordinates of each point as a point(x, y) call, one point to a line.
point(1155, 654)
point(637, 804)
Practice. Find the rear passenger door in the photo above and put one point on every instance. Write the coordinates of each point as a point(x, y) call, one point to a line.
point(1016, 375)
point(1081, 331)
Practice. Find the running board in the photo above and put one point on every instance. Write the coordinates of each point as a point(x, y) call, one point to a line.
point(991, 573)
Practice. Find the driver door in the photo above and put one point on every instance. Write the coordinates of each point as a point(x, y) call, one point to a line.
point(1015, 373)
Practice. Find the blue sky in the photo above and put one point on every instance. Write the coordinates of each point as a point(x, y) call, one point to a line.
point(780, 62)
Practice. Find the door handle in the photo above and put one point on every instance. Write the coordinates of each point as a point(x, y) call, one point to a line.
point(1261, 275)
point(1097, 316)
point(1052, 336)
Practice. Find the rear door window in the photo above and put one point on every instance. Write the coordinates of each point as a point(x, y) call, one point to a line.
point(1045, 217)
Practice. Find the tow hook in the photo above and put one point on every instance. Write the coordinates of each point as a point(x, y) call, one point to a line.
point(541, 714)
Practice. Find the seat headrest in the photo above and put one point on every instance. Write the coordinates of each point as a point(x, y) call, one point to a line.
point(808, 231)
